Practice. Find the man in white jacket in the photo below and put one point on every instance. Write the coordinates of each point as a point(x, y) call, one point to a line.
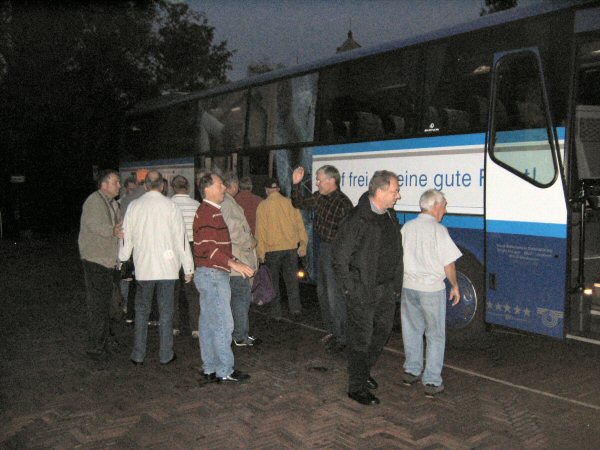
point(155, 232)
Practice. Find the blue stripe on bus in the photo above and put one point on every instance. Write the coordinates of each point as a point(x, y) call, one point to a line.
point(556, 230)
point(457, 140)
point(159, 162)
point(450, 221)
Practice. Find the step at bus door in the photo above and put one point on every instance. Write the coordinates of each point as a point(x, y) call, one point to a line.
point(525, 203)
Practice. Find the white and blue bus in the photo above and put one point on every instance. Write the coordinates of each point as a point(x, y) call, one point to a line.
point(502, 114)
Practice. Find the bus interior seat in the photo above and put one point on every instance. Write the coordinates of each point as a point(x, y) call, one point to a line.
point(479, 113)
point(530, 115)
point(328, 132)
point(396, 124)
point(368, 124)
point(455, 120)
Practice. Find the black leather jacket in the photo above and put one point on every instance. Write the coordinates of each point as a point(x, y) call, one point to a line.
point(354, 260)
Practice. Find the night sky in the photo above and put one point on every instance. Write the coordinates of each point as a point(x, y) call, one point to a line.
point(300, 31)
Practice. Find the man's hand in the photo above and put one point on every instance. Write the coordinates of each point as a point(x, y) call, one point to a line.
point(245, 270)
point(455, 295)
point(118, 231)
point(301, 252)
point(297, 175)
point(450, 271)
point(189, 277)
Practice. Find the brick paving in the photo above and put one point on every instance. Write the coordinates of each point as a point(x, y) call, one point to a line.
point(52, 396)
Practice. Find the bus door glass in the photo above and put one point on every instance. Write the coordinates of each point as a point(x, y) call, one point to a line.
point(525, 206)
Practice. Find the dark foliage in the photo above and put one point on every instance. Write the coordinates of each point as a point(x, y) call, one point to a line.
point(68, 73)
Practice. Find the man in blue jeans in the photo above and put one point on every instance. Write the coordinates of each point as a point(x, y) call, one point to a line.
point(429, 256)
point(214, 260)
point(155, 232)
point(243, 247)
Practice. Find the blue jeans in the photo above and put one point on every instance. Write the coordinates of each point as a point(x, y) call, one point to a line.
point(285, 261)
point(241, 296)
point(165, 290)
point(331, 301)
point(215, 322)
point(424, 313)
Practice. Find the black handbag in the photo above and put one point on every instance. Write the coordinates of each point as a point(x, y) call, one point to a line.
point(127, 270)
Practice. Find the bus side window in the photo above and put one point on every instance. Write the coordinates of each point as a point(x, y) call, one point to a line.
point(371, 98)
point(522, 142)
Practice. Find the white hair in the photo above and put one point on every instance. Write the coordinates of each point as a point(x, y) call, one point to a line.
point(429, 198)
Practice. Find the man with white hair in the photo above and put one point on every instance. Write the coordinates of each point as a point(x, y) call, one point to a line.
point(429, 258)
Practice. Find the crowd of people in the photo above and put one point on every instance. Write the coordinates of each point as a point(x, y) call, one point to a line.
point(208, 252)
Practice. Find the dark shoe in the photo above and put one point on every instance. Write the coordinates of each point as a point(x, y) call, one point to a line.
point(364, 398)
point(235, 377)
point(171, 360)
point(371, 383)
point(137, 363)
point(250, 342)
point(408, 379)
point(431, 390)
point(208, 378)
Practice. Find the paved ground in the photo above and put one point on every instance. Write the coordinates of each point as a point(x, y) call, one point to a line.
point(503, 391)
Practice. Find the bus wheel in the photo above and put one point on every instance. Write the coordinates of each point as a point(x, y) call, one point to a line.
point(466, 318)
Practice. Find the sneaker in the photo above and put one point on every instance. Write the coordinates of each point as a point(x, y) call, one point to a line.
point(235, 377)
point(408, 379)
point(431, 390)
point(255, 341)
point(250, 342)
point(195, 334)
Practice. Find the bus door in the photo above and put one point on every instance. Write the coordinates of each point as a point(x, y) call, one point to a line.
point(585, 178)
point(525, 204)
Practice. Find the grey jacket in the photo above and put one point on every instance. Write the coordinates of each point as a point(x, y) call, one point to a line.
point(243, 243)
point(97, 243)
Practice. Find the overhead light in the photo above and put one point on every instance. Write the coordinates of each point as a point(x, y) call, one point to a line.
point(236, 109)
point(588, 291)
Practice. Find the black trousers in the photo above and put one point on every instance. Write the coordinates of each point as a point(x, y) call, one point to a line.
point(98, 287)
point(368, 327)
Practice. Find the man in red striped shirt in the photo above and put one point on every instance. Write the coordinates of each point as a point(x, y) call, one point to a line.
point(214, 260)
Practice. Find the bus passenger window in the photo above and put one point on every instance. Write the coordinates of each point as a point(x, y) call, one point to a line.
point(456, 84)
point(521, 140)
point(370, 98)
point(283, 112)
point(221, 123)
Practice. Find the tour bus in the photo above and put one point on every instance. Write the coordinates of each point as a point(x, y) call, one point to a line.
point(502, 114)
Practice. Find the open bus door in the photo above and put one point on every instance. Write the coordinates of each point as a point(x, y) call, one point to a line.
point(525, 203)
point(585, 180)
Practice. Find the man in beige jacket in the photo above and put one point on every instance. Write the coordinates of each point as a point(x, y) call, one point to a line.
point(243, 247)
point(99, 235)
point(282, 238)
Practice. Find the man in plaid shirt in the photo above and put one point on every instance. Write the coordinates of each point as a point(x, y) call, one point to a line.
point(330, 206)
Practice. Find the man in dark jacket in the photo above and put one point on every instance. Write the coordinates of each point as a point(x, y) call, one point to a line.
point(368, 265)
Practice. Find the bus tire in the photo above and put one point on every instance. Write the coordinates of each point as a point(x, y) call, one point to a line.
point(466, 319)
